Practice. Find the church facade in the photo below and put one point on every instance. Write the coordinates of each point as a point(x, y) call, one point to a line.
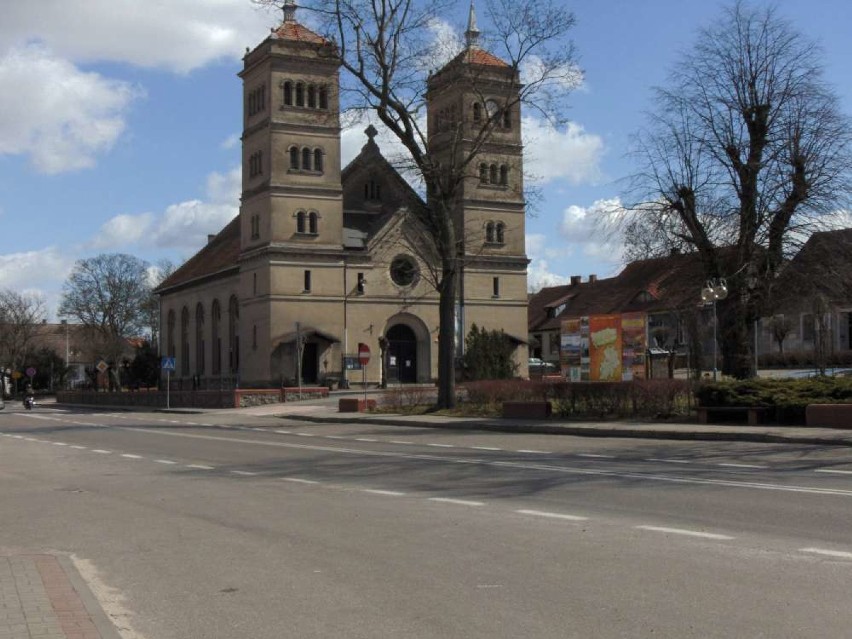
point(322, 258)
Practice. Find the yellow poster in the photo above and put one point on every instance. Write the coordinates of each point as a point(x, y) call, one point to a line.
point(605, 348)
point(633, 346)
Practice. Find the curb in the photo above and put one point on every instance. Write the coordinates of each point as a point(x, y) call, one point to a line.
point(104, 626)
point(579, 431)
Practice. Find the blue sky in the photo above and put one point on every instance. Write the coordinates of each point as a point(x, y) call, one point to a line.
point(119, 125)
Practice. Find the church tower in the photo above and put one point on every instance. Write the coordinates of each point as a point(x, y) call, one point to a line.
point(291, 213)
point(474, 109)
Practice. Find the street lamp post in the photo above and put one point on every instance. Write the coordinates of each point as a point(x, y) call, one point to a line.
point(67, 354)
point(713, 291)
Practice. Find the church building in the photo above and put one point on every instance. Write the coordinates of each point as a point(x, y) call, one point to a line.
point(321, 258)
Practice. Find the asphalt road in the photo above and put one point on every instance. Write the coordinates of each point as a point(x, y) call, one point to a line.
point(224, 525)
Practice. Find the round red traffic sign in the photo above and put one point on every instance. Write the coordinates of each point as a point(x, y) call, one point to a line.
point(363, 354)
point(31, 372)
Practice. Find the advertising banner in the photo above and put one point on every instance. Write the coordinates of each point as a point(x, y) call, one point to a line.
point(633, 344)
point(605, 348)
point(570, 349)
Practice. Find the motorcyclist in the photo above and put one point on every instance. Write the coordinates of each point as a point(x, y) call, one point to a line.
point(29, 398)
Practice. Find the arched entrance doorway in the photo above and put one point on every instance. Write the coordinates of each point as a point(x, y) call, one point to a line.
point(402, 355)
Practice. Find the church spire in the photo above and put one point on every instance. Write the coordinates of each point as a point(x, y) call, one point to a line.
point(472, 33)
point(289, 9)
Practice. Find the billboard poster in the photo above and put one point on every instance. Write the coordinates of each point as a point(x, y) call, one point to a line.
point(585, 359)
point(605, 348)
point(570, 349)
point(633, 344)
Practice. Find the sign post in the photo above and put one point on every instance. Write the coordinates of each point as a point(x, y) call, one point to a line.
point(364, 359)
point(168, 365)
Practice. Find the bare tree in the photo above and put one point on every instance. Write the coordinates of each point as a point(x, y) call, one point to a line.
point(780, 326)
point(747, 147)
point(108, 294)
point(20, 316)
point(389, 51)
point(157, 274)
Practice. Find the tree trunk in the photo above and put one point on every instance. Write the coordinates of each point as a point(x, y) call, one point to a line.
point(446, 336)
point(734, 337)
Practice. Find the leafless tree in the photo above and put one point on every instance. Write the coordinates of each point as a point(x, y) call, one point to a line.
point(389, 51)
point(745, 150)
point(780, 326)
point(157, 274)
point(20, 316)
point(108, 294)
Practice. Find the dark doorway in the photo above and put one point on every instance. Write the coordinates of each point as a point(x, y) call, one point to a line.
point(402, 355)
point(310, 363)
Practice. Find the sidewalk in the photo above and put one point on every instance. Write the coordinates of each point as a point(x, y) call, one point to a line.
point(676, 431)
point(44, 597)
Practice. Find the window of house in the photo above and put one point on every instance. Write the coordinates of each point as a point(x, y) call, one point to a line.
point(300, 94)
point(256, 164)
point(199, 339)
point(306, 159)
point(233, 334)
point(294, 158)
point(215, 339)
point(323, 97)
point(372, 191)
point(500, 234)
point(495, 287)
point(483, 173)
point(489, 232)
point(184, 341)
point(361, 284)
point(504, 175)
point(288, 93)
point(300, 222)
point(507, 118)
point(318, 164)
point(307, 288)
point(492, 174)
point(477, 112)
point(312, 97)
point(312, 223)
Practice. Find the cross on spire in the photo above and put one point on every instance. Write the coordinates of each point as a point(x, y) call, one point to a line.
point(472, 33)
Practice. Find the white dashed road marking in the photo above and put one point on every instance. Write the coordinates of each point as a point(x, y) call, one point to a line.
point(129, 456)
point(441, 445)
point(669, 461)
point(541, 513)
point(688, 533)
point(827, 553)
point(534, 452)
point(165, 461)
point(244, 473)
point(299, 480)
point(365, 439)
point(101, 451)
point(391, 493)
point(400, 441)
point(833, 471)
point(595, 456)
point(485, 448)
point(743, 465)
point(460, 502)
point(199, 466)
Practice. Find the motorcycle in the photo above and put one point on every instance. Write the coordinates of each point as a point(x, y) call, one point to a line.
point(29, 402)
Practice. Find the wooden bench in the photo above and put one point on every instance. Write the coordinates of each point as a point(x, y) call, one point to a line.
point(756, 414)
point(527, 410)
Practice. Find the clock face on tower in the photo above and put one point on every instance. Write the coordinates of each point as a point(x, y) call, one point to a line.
point(492, 108)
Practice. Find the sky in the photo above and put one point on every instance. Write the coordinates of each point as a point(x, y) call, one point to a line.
point(120, 124)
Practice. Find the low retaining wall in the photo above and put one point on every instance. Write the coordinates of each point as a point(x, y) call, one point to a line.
point(829, 415)
point(233, 398)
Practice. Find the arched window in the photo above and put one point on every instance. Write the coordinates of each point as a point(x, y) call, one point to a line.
point(199, 339)
point(215, 338)
point(318, 160)
point(323, 97)
point(489, 232)
point(492, 174)
point(500, 235)
point(184, 341)
point(504, 174)
point(507, 118)
point(170, 334)
point(306, 159)
point(312, 96)
point(300, 94)
point(483, 173)
point(312, 223)
point(233, 335)
point(300, 222)
point(288, 93)
point(294, 158)
point(477, 112)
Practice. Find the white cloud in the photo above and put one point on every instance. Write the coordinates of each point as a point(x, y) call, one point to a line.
point(591, 232)
point(231, 142)
point(179, 35)
point(568, 77)
point(41, 272)
point(58, 115)
point(569, 153)
point(184, 225)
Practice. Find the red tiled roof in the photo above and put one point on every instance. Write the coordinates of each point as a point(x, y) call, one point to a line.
point(475, 55)
point(219, 254)
point(298, 33)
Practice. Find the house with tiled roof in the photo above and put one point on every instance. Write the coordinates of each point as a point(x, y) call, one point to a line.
point(322, 258)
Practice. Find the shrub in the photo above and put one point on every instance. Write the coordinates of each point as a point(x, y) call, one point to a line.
point(488, 355)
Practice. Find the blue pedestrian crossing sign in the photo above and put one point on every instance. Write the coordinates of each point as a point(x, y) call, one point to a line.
point(167, 363)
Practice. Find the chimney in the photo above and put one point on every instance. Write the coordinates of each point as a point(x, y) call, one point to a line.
point(576, 279)
point(210, 237)
point(593, 278)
